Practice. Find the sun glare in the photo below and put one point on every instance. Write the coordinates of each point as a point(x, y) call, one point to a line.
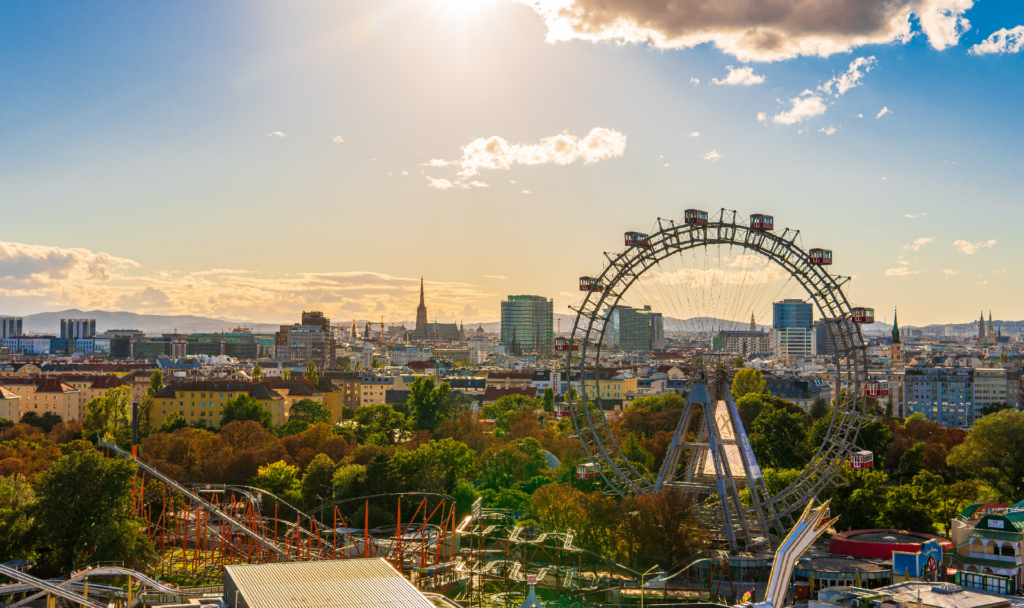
point(463, 6)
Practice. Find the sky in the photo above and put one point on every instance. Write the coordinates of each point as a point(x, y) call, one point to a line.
point(250, 160)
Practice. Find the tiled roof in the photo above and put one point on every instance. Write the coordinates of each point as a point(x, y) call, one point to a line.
point(494, 393)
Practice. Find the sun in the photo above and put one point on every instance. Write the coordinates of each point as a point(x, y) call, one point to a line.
point(463, 7)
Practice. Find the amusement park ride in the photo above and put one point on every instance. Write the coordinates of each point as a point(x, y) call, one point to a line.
point(199, 529)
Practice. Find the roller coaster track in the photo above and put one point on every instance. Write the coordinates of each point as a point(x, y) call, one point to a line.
point(267, 543)
point(48, 587)
point(100, 571)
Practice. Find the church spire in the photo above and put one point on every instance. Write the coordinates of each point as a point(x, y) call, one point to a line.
point(895, 328)
point(421, 315)
point(753, 324)
point(422, 303)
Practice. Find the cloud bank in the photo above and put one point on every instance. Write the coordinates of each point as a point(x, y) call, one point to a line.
point(1002, 41)
point(812, 103)
point(743, 76)
point(755, 30)
point(971, 248)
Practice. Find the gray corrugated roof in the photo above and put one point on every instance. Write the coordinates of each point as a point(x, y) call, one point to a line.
point(325, 584)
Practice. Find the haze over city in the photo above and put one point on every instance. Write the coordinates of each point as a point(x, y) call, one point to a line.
point(270, 158)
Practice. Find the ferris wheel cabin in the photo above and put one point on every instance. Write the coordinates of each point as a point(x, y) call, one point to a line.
point(591, 284)
point(862, 315)
point(760, 221)
point(695, 216)
point(876, 388)
point(820, 257)
point(587, 470)
point(862, 460)
point(564, 410)
point(637, 239)
point(562, 344)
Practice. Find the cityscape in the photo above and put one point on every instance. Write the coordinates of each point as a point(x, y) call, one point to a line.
point(280, 353)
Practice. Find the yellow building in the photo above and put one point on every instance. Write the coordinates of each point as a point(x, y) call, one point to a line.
point(90, 387)
point(202, 402)
point(10, 405)
point(42, 395)
point(612, 390)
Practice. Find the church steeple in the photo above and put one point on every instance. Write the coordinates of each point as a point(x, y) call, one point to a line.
point(753, 324)
point(897, 346)
point(895, 329)
point(421, 312)
point(991, 331)
point(981, 329)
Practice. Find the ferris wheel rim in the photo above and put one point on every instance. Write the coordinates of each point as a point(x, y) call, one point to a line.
point(824, 290)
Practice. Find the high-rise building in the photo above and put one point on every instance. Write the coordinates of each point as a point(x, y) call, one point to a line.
point(77, 329)
point(634, 329)
point(527, 324)
point(311, 340)
point(793, 334)
point(10, 327)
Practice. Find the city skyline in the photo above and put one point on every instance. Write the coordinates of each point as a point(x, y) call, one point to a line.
point(192, 155)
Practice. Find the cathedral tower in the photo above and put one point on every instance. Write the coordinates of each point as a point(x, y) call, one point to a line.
point(421, 313)
point(897, 345)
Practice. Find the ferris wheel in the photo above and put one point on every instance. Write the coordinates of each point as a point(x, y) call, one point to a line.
point(704, 275)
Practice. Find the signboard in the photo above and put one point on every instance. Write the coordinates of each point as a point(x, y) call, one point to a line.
point(918, 565)
point(995, 523)
point(531, 580)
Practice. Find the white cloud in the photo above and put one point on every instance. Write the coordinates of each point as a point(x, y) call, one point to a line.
point(437, 162)
point(527, 192)
point(477, 184)
point(406, 173)
point(1002, 41)
point(970, 248)
point(712, 156)
point(885, 110)
point(337, 139)
point(494, 276)
point(694, 81)
point(440, 184)
point(695, 134)
point(901, 271)
point(918, 243)
point(949, 272)
point(829, 130)
point(742, 76)
point(562, 149)
point(804, 107)
point(860, 116)
point(762, 117)
point(754, 30)
point(276, 134)
point(37, 269)
point(850, 78)
point(915, 216)
point(884, 178)
point(1000, 271)
point(512, 181)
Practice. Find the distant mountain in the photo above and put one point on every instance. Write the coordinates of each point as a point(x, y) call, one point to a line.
point(49, 322)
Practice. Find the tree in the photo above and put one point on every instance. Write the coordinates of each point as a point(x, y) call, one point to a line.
point(739, 362)
point(85, 513)
point(911, 462)
point(746, 381)
point(244, 407)
point(636, 454)
point(46, 422)
point(437, 466)
point(348, 480)
point(279, 478)
point(110, 413)
point(156, 383)
point(777, 437)
point(993, 408)
point(858, 501)
point(173, 422)
point(819, 408)
point(504, 409)
point(309, 411)
point(548, 400)
point(344, 363)
point(17, 501)
point(994, 453)
point(311, 373)
point(286, 374)
point(6, 424)
point(908, 507)
point(317, 480)
point(380, 419)
point(430, 405)
point(257, 373)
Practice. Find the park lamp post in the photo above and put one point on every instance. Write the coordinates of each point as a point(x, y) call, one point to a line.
point(642, 575)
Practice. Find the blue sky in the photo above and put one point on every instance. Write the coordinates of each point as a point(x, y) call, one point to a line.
point(181, 157)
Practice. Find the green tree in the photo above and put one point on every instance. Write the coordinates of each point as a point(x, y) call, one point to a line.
point(820, 408)
point(317, 480)
point(85, 514)
point(429, 405)
point(437, 466)
point(382, 475)
point(292, 427)
point(858, 501)
point(993, 408)
point(348, 480)
point(309, 411)
point(173, 422)
point(655, 404)
point(504, 409)
point(46, 422)
point(257, 373)
point(739, 362)
point(17, 501)
point(156, 383)
point(548, 400)
point(244, 407)
point(636, 454)
point(6, 424)
point(994, 453)
point(908, 507)
point(746, 381)
point(778, 439)
point(279, 478)
point(286, 374)
point(344, 363)
point(911, 462)
point(380, 419)
point(110, 413)
point(311, 373)
point(464, 494)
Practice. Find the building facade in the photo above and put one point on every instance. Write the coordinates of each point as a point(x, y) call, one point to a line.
point(77, 329)
point(527, 324)
point(633, 329)
point(793, 334)
point(10, 327)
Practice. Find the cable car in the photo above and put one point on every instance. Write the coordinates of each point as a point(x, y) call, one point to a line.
point(862, 315)
point(876, 388)
point(638, 239)
point(564, 409)
point(591, 284)
point(821, 257)
point(587, 470)
point(759, 221)
point(862, 460)
point(695, 216)
point(563, 344)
